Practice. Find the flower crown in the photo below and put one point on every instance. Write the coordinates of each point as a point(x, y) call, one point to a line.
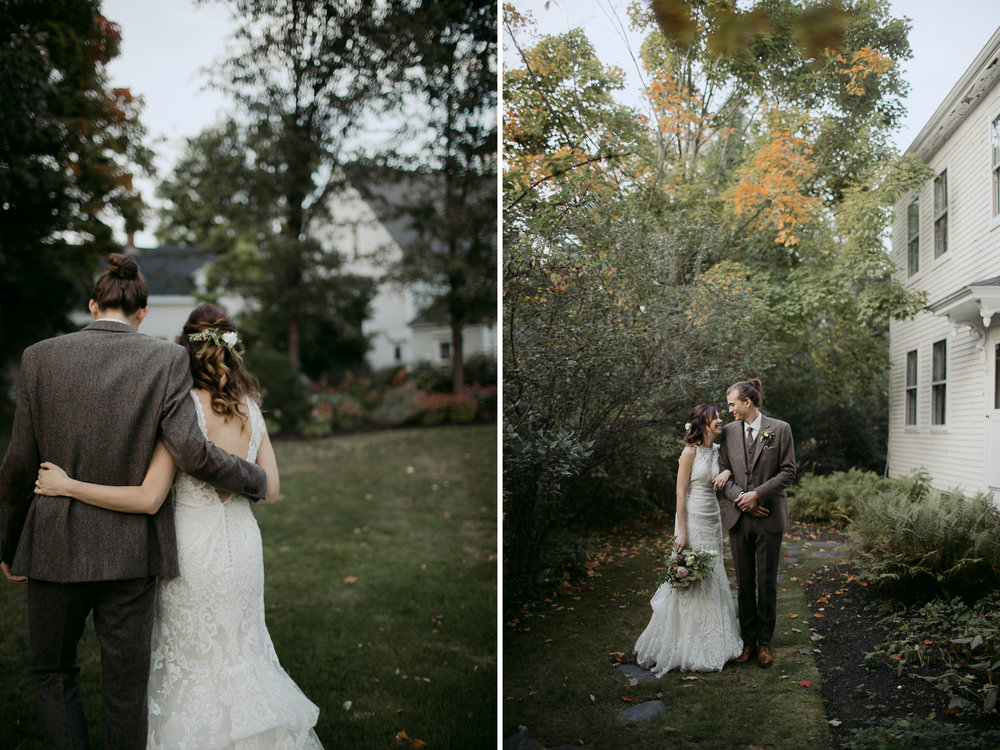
point(227, 339)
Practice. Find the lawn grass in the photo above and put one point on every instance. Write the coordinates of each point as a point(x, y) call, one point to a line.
point(561, 682)
point(381, 593)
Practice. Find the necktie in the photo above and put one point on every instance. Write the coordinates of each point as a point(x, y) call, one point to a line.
point(749, 437)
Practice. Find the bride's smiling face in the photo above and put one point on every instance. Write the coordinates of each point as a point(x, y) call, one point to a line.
point(714, 427)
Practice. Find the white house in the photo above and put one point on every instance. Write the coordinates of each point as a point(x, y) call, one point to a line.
point(370, 238)
point(944, 412)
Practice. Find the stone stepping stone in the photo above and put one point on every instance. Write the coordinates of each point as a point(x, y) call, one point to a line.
point(636, 674)
point(521, 741)
point(643, 711)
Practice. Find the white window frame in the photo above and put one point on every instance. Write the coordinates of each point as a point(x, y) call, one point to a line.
point(994, 141)
point(941, 214)
point(444, 351)
point(913, 237)
point(939, 383)
point(910, 390)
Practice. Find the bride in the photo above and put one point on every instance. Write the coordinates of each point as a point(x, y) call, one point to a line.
point(215, 680)
point(694, 629)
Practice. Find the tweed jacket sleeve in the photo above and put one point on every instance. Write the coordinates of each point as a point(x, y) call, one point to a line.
point(193, 453)
point(20, 466)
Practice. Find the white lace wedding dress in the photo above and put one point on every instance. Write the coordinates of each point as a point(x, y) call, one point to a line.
point(694, 629)
point(215, 680)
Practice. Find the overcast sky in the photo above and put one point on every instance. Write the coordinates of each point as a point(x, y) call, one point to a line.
point(945, 38)
point(166, 43)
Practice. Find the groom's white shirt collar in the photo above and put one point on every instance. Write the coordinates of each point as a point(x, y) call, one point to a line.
point(113, 320)
point(755, 426)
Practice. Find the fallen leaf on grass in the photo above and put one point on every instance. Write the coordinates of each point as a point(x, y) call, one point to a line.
point(792, 616)
point(692, 677)
point(627, 699)
point(818, 614)
point(805, 683)
point(351, 579)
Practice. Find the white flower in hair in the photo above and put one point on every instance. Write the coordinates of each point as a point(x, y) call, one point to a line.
point(229, 338)
point(687, 426)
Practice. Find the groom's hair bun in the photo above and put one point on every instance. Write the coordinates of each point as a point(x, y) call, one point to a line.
point(121, 286)
point(123, 267)
point(749, 389)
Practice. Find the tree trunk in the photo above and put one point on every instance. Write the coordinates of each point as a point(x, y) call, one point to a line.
point(457, 358)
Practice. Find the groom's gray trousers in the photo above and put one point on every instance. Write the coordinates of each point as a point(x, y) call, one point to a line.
point(756, 554)
point(123, 620)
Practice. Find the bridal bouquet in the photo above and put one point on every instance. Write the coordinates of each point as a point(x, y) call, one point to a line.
point(688, 565)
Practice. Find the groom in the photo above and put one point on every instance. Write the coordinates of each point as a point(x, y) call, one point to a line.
point(95, 402)
point(760, 454)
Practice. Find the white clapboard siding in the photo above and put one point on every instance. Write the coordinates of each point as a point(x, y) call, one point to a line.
point(956, 139)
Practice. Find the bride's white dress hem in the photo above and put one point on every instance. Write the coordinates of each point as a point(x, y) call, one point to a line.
point(694, 629)
point(215, 680)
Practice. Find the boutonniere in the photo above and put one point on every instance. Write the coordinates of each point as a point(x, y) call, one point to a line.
point(766, 435)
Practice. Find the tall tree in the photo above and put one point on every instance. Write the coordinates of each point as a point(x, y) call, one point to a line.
point(223, 196)
point(303, 71)
point(742, 214)
point(69, 144)
point(453, 142)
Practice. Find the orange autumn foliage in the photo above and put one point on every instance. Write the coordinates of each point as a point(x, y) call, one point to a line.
point(771, 190)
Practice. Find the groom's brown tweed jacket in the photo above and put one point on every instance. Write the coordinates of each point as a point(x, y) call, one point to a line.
point(95, 402)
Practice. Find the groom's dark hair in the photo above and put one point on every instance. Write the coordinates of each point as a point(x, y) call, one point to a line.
point(751, 389)
point(121, 286)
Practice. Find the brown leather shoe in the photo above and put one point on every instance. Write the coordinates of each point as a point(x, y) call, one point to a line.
point(744, 657)
point(764, 656)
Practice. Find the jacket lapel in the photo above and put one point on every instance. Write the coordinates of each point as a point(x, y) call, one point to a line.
point(738, 451)
point(765, 424)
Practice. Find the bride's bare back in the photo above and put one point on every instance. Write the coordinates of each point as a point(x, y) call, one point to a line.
point(231, 434)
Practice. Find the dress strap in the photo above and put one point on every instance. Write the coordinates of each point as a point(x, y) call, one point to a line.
point(257, 429)
point(202, 424)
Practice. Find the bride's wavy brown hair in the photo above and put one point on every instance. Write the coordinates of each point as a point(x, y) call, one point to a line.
point(217, 369)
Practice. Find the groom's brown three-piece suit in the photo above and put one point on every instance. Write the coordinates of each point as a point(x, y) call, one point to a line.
point(767, 466)
point(95, 403)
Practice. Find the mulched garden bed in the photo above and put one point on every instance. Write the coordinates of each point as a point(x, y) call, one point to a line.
point(848, 618)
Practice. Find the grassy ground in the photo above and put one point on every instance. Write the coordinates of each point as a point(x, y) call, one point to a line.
point(381, 593)
point(561, 681)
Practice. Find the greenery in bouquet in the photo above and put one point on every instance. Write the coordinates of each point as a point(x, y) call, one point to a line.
point(688, 566)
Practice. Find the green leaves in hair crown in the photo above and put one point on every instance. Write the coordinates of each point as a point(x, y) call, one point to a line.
point(225, 339)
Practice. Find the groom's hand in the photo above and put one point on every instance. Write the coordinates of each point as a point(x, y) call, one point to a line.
point(749, 502)
point(10, 576)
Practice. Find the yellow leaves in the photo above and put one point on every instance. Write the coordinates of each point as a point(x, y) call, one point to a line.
point(866, 62)
point(771, 190)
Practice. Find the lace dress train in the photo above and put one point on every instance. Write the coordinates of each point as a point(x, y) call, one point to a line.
point(215, 680)
point(694, 629)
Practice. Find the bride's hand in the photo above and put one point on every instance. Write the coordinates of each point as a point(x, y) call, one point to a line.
point(720, 481)
point(52, 481)
point(680, 541)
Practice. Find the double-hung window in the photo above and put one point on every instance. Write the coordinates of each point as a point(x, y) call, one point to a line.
point(939, 381)
point(913, 237)
point(995, 162)
point(941, 214)
point(911, 388)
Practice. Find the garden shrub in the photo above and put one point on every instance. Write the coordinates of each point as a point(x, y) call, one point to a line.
point(934, 545)
point(831, 499)
point(915, 733)
point(951, 644)
point(400, 404)
point(285, 396)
